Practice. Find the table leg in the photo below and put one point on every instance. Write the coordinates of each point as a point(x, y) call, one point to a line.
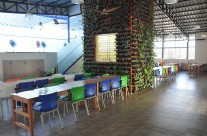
point(14, 113)
point(97, 93)
point(31, 127)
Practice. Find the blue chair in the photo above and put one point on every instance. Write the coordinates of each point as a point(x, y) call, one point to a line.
point(116, 85)
point(105, 89)
point(79, 77)
point(26, 84)
point(96, 76)
point(90, 92)
point(46, 104)
point(170, 72)
point(41, 83)
point(157, 74)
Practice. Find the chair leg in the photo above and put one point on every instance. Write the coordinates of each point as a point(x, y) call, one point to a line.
point(121, 93)
point(42, 120)
point(77, 107)
point(60, 118)
point(103, 100)
point(86, 107)
point(74, 111)
point(66, 107)
point(7, 103)
point(112, 99)
point(53, 115)
point(1, 108)
point(49, 119)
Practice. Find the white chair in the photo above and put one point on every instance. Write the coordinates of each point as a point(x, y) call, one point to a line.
point(5, 94)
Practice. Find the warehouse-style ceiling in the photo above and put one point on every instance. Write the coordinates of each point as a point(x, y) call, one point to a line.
point(186, 16)
point(191, 14)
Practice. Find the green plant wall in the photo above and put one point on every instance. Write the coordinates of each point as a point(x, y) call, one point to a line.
point(134, 50)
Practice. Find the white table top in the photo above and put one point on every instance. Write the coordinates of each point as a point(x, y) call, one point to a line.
point(48, 90)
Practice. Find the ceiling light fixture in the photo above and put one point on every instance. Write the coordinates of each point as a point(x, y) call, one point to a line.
point(171, 1)
point(77, 1)
point(196, 27)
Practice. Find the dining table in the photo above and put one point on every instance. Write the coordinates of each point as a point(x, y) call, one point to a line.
point(194, 69)
point(30, 97)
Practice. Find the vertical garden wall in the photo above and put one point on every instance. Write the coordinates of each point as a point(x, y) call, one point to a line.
point(132, 23)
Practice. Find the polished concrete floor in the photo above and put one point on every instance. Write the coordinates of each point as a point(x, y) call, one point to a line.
point(174, 108)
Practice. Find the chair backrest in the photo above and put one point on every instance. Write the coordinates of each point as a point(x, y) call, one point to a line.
point(41, 83)
point(115, 83)
point(163, 71)
point(52, 84)
point(29, 77)
point(174, 67)
point(24, 89)
point(79, 77)
point(26, 84)
point(105, 86)
point(157, 64)
point(90, 90)
point(96, 76)
point(48, 101)
point(157, 72)
point(59, 80)
point(105, 75)
point(166, 71)
point(124, 81)
point(170, 70)
point(77, 93)
point(87, 75)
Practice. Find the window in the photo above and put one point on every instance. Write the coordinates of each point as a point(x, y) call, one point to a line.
point(158, 49)
point(106, 47)
point(175, 47)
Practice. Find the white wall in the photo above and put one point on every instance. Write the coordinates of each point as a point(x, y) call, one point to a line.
point(200, 50)
point(49, 58)
point(77, 67)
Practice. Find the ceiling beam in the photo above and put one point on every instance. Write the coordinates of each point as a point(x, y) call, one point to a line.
point(21, 7)
point(186, 6)
point(165, 8)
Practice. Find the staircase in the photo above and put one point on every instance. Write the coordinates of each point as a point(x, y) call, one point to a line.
point(68, 55)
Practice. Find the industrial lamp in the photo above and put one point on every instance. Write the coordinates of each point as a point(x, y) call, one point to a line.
point(171, 1)
point(77, 1)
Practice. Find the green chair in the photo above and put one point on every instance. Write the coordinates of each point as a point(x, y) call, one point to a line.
point(87, 75)
point(29, 77)
point(124, 84)
point(77, 95)
point(164, 75)
point(104, 75)
point(59, 80)
point(52, 84)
